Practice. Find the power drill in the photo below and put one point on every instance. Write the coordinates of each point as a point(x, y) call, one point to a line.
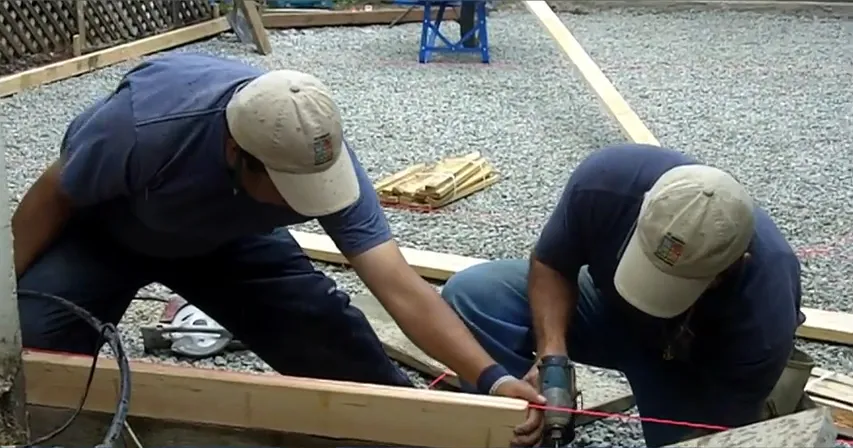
point(557, 385)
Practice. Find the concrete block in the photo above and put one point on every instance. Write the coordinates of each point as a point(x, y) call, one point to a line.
point(808, 429)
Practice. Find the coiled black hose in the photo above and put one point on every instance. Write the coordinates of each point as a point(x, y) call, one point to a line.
point(110, 335)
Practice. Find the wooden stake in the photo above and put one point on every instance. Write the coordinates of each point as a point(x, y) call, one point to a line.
point(252, 14)
point(78, 42)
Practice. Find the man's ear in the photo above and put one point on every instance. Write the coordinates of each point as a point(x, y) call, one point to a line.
point(231, 150)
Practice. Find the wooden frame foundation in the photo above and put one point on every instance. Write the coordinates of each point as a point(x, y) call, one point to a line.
point(828, 326)
point(278, 404)
point(69, 68)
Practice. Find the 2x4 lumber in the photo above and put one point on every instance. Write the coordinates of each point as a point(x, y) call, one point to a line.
point(827, 326)
point(273, 19)
point(68, 68)
point(57, 71)
point(337, 409)
point(612, 101)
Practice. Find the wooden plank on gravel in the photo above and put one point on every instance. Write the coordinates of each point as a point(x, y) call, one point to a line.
point(272, 402)
point(612, 101)
point(274, 19)
point(83, 64)
point(828, 326)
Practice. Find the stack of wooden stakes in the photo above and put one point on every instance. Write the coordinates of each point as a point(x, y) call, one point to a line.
point(834, 391)
point(428, 187)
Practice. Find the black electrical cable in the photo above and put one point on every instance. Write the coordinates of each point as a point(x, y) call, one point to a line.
point(109, 334)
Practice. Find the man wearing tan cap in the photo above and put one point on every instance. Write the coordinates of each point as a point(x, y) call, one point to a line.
point(657, 266)
point(186, 175)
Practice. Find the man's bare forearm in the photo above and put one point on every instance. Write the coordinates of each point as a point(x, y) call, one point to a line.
point(552, 303)
point(38, 219)
point(433, 326)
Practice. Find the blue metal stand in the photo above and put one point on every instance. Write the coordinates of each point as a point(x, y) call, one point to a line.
point(434, 41)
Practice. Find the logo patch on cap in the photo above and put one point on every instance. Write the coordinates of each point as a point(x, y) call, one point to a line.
point(323, 150)
point(670, 249)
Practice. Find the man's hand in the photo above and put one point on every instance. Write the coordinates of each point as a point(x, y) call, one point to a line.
point(529, 432)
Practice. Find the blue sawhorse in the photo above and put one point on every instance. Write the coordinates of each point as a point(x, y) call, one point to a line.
point(434, 41)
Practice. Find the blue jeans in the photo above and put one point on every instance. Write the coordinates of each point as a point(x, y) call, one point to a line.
point(262, 288)
point(491, 298)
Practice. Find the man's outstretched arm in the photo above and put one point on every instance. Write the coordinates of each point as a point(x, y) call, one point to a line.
point(39, 218)
point(552, 281)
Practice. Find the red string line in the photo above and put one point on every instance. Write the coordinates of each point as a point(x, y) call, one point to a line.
point(661, 421)
point(437, 380)
point(600, 414)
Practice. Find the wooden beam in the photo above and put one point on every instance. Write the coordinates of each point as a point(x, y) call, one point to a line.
point(413, 417)
point(611, 100)
point(89, 429)
point(274, 19)
point(58, 71)
point(828, 326)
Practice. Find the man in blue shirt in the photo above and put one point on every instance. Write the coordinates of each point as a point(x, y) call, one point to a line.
point(185, 175)
point(657, 266)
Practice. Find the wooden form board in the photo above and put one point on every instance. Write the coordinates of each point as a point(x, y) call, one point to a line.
point(828, 326)
point(612, 101)
point(276, 19)
point(68, 68)
point(12, 84)
point(413, 417)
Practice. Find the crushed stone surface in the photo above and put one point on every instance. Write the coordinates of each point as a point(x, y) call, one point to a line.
point(764, 96)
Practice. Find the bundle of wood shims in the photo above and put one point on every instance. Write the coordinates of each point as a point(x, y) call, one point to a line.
point(834, 391)
point(428, 187)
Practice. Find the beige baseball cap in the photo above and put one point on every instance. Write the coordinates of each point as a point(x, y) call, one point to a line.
point(694, 223)
point(288, 120)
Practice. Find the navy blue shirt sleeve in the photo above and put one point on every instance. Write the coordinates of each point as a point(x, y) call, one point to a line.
point(361, 226)
point(97, 153)
point(560, 243)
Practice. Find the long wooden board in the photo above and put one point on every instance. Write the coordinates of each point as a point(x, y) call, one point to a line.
point(610, 98)
point(12, 84)
point(83, 64)
point(829, 326)
point(274, 19)
point(412, 417)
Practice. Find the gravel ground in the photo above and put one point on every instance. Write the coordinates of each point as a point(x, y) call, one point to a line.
point(764, 96)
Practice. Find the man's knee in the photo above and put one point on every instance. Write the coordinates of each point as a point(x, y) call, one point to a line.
point(478, 287)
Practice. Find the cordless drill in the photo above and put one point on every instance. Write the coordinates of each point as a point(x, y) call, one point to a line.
point(557, 385)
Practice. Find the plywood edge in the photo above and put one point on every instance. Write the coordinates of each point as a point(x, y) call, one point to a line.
point(289, 20)
point(68, 68)
point(827, 326)
point(278, 403)
point(612, 101)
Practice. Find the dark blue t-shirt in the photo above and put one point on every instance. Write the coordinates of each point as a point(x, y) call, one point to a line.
point(745, 327)
point(147, 163)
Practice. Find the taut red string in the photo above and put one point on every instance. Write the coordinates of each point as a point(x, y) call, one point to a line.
point(600, 414)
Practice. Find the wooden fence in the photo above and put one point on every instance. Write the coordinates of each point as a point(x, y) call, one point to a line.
point(53, 28)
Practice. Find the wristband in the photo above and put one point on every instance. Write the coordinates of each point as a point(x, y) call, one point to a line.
point(492, 377)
